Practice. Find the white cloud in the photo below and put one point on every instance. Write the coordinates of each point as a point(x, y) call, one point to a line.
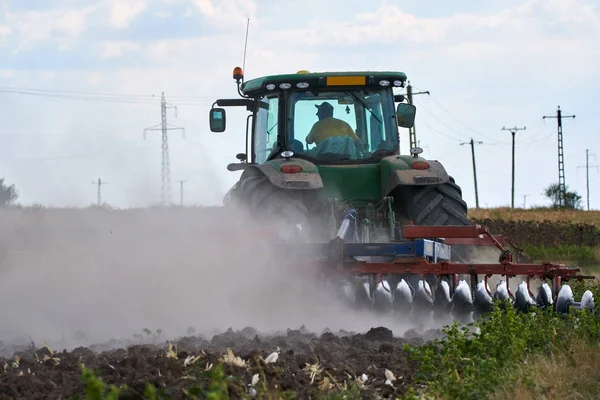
point(38, 26)
point(489, 69)
point(5, 32)
point(122, 12)
point(116, 49)
point(224, 14)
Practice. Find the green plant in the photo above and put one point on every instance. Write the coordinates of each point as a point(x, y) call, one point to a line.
point(471, 361)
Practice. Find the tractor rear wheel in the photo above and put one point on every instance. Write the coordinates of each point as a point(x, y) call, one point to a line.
point(436, 204)
point(266, 203)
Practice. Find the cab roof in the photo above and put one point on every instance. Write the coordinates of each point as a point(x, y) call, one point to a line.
point(325, 79)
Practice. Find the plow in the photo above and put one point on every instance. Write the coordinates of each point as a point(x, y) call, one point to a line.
point(389, 231)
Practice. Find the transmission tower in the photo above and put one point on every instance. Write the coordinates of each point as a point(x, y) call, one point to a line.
point(472, 143)
point(99, 183)
point(513, 131)
point(562, 186)
point(164, 127)
point(587, 175)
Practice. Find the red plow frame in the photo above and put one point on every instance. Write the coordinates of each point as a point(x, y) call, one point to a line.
point(471, 235)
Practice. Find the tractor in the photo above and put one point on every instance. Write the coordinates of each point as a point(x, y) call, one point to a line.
point(322, 159)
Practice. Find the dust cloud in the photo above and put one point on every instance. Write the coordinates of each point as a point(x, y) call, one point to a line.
point(85, 276)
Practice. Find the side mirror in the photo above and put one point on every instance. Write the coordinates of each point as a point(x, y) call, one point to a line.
point(241, 156)
point(217, 119)
point(406, 115)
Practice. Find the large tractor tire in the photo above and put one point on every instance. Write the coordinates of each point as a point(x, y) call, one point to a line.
point(436, 204)
point(267, 204)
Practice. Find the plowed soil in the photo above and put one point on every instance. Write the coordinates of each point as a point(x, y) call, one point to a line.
point(73, 278)
point(343, 357)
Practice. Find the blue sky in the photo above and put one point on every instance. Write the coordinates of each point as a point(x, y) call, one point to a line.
point(487, 64)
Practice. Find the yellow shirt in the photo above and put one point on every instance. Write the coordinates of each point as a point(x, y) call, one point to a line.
point(329, 127)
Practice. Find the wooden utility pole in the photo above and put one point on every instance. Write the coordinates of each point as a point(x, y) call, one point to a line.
point(472, 143)
point(512, 192)
point(412, 132)
point(99, 193)
point(181, 182)
point(587, 175)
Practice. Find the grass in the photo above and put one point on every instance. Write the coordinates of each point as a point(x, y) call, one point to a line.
point(571, 373)
point(508, 354)
point(582, 255)
point(537, 214)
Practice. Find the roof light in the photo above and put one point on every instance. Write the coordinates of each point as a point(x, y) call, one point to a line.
point(287, 154)
point(302, 85)
point(285, 85)
point(303, 71)
point(238, 74)
point(384, 83)
point(270, 86)
point(398, 83)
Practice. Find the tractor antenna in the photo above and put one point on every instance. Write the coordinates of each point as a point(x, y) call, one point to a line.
point(245, 46)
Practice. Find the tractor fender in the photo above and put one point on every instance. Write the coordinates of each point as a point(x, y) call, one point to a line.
point(308, 179)
point(396, 171)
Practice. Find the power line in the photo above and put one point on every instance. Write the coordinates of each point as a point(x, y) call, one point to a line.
point(111, 98)
point(512, 192)
point(472, 143)
point(166, 163)
point(101, 94)
point(587, 175)
point(99, 193)
point(562, 185)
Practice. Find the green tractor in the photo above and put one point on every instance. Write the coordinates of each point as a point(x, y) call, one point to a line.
point(320, 144)
point(323, 163)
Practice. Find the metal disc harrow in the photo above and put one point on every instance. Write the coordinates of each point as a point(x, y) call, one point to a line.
point(416, 276)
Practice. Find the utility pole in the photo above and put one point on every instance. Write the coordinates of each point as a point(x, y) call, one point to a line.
point(99, 194)
point(562, 186)
point(472, 143)
point(512, 193)
point(525, 200)
point(412, 132)
point(587, 175)
point(181, 181)
point(164, 127)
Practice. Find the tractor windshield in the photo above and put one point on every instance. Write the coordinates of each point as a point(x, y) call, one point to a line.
point(341, 125)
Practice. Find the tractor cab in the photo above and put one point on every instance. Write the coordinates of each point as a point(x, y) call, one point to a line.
point(324, 118)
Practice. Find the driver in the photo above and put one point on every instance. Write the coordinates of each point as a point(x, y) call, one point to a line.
point(328, 126)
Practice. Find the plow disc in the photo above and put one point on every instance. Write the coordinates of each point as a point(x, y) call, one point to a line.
point(414, 277)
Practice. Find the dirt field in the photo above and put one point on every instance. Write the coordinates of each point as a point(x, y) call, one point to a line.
point(91, 281)
point(342, 359)
point(110, 289)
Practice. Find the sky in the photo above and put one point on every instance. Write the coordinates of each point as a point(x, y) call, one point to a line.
point(80, 80)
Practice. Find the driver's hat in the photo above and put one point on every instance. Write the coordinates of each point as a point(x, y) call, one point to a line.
point(324, 107)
